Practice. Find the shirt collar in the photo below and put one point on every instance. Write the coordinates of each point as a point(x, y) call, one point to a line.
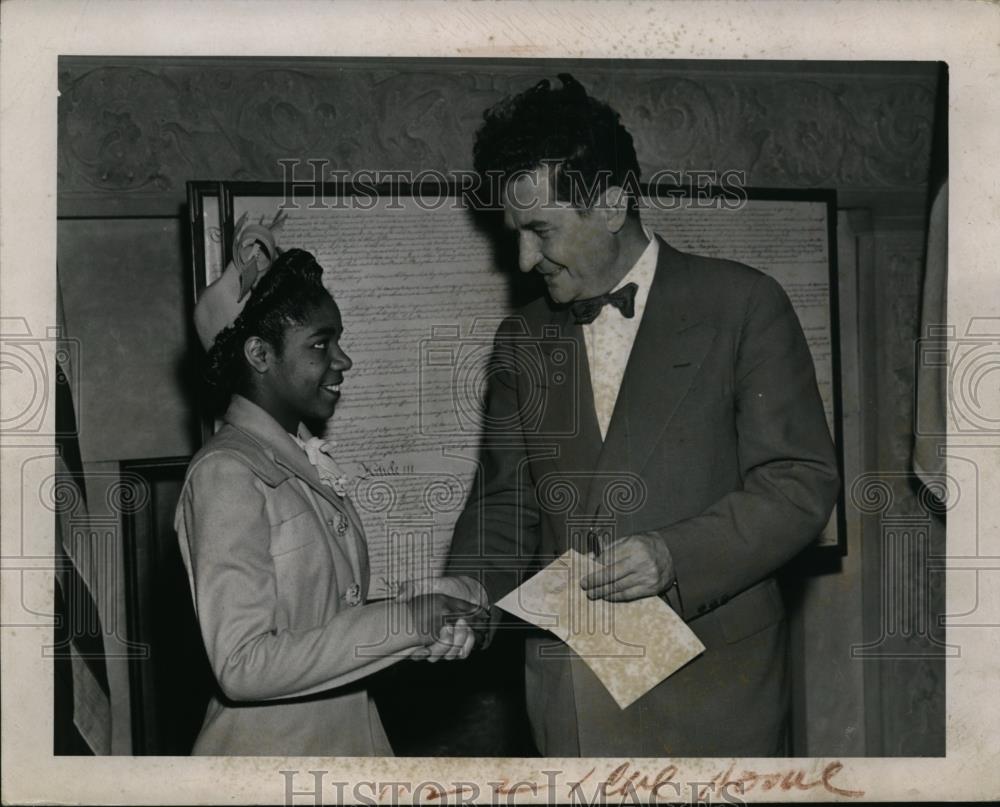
point(644, 268)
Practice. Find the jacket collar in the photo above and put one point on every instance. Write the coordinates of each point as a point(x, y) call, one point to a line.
point(278, 445)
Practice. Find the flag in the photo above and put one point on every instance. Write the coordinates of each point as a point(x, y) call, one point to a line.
point(82, 704)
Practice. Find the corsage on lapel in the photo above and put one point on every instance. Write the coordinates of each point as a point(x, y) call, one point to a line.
point(320, 454)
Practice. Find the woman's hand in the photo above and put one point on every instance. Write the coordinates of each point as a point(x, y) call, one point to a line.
point(446, 625)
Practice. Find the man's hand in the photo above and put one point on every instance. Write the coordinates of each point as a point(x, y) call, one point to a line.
point(634, 567)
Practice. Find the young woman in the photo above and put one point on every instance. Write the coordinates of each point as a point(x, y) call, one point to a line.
point(274, 549)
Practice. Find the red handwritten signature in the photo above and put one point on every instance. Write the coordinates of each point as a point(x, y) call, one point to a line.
point(624, 780)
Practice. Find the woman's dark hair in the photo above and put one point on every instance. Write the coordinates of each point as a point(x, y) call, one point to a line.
point(284, 296)
point(582, 138)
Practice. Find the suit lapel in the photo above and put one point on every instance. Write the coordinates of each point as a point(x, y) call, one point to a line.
point(297, 458)
point(359, 531)
point(289, 455)
point(669, 347)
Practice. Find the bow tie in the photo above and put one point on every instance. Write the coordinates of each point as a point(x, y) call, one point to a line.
point(586, 311)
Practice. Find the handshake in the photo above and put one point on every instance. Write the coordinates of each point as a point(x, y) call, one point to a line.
point(449, 615)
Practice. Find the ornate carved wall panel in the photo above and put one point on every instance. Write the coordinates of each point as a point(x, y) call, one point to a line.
point(131, 132)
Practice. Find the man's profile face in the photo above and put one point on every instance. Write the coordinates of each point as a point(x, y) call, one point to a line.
point(572, 249)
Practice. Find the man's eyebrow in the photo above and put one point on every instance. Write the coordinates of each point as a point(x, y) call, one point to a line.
point(534, 224)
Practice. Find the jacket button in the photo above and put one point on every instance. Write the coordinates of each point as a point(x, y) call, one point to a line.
point(329, 522)
point(353, 595)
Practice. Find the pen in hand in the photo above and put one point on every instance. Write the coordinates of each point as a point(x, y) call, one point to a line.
point(594, 538)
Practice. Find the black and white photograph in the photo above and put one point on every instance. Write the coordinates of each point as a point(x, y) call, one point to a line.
point(554, 421)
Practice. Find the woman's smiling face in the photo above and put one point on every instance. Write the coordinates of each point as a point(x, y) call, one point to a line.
point(304, 377)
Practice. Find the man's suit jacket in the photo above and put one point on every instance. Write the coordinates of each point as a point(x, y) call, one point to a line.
point(270, 575)
point(720, 435)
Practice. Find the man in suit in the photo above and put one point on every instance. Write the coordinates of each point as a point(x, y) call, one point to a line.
point(685, 381)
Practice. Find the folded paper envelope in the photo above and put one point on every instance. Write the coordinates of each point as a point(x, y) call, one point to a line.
point(630, 646)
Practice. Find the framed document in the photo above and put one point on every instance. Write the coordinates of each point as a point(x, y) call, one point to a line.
point(423, 280)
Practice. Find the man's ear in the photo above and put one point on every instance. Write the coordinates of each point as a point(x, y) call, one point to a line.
point(615, 205)
point(258, 354)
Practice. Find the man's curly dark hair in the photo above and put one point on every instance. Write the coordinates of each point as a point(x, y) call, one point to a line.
point(284, 296)
point(582, 138)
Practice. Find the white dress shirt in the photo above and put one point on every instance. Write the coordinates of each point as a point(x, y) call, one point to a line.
point(609, 338)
